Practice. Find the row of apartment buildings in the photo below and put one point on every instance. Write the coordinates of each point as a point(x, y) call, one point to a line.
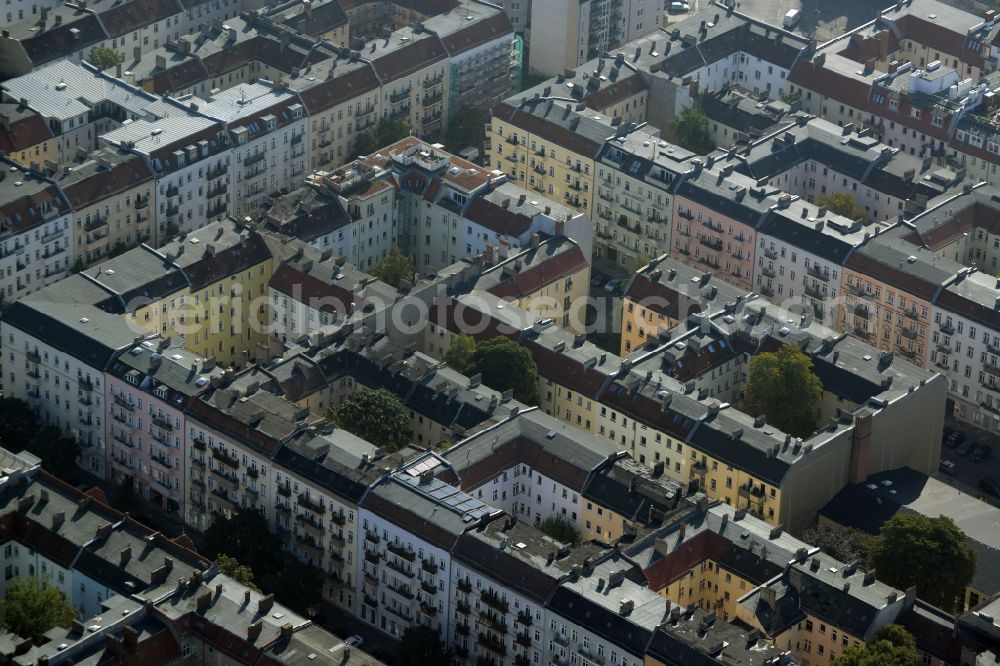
point(744, 212)
point(112, 161)
point(140, 597)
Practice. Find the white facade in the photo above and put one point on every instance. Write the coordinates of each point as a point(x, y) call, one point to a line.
point(37, 256)
point(529, 495)
point(63, 390)
point(743, 69)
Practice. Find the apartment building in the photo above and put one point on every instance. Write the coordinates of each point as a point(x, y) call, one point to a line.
point(36, 233)
point(736, 115)
point(311, 290)
point(640, 403)
point(484, 57)
point(25, 137)
point(326, 21)
point(663, 294)
point(146, 441)
point(548, 146)
point(634, 209)
point(342, 100)
point(110, 195)
point(56, 32)
point(411, 65)
point(411, 515)
point(143, 589)
point(266, 127)
point(58, 343)
point(575, 32)
point(78, 103)
point(189, 157)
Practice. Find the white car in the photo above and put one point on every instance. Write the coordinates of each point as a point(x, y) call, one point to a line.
point(679, 8)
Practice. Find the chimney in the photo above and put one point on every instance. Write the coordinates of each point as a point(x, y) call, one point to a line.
point(125, 555)
point(246, 597)
point(286, 631)
point(535, 240)
point(265, 603)
point(58, 518)
point(253, 631)
point(131, 637)
point(203, 601)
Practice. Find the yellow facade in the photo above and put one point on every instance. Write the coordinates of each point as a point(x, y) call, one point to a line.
point(123, 219)
point(536, 163)
point(561, 300)
point(334, 130)
point(224, 320)
point(639, 323)
point(709, 585)
point(886, 317)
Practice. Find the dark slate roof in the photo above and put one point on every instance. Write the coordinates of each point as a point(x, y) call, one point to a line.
point(58, 41)
point(607, 624)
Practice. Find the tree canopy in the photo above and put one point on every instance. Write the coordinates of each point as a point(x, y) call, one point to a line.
point(20, 430)
point(847, 544)
point(104, 58)
point(931, 553)
point(892, 646)
point(783, 386)
point(467, 127)
point(689, 130)
point(504, 364)
point(394, 268)
point(32, 607)
point(248, 551)
point(560, 530)
point(241, 573)
point(374, 415)
point(421, 646)
point(842, 204)
point(461, 353)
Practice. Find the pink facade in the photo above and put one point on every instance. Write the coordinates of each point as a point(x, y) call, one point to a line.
point(145, 423)
point(709, 241)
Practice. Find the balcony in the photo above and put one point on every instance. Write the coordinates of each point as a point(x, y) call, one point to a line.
point(218, 191)
point(462, 629)
point(284, 491)
point(711, 243)
point(400, 95)
point(431, 100)
point(401, 112)
point(141, 202)
point(400, 591)
point(220, 170)
point(370, 601)
point(910, 314)
point(163, 424)
point(371, 537)
point(861, 311)
point(813, 291)
point(314, 527)
point(162, 461)
point(816, 272)
point(173, 191)
point(771, 254)
point(768, 272)
point(428, 566)
point(493, 600)
point(253, 159)
point(309, 543)
point(492, 644)
point(428, 610)
point(463, 608)
point(297, 138)
point(33, 357)
point(493, 622)
point(307, 503)
point(216, 211)
point(947, 328)
point(909, 333)
point(523, 638)
point(224, 458)
point(430, 83)
point(399, 568)
point(429, 588)
point(524, 618)
point(173, 210)
point(464, 586)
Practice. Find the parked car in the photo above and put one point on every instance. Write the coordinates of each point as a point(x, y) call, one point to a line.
point(947, 467)
point(611, 286)
point(954, 438)
point(965, 448)
point(980, 451)
point(597, 279)
point(990, 486)
point(679, 8)
point(354, 641)
point(792, 18)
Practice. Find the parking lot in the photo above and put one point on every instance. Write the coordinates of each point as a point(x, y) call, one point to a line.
point(969, 472)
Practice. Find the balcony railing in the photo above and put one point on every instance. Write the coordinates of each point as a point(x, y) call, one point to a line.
point(224, 458)
point(399, 551)
point(494, 601)
point(307, 503)
point(492, 644)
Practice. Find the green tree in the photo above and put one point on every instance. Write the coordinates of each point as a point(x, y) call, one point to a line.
point(245, 537)
point(847, 544)
point(298, 585)
point(504, 364)
point(560, 530)
point(897, 635)
point(391, 131)
point(783, 386)
point(104, 58)
point(842, 204)
point(32, 607)
point(461, 353)
point(467, 127)
point(421, 646)
point(394, 268)
point(365, 143)
point(58, 452)
point(118, 248)
point(377, 416)
point(890, 648)
point(689, 130)
point(241, 573)
point(18, 423)
point(533, 78)
point(931, 553)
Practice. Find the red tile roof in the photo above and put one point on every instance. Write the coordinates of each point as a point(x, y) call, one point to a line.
point(339, 89)
point(136, 14)
point(545, 272)
point(495, 217)
point(408, 59)
point(478, 33)
point(24, 133)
